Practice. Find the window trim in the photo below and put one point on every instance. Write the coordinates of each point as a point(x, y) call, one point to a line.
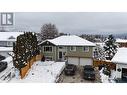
point(48, 51)
point(73, 47)
point(87, 49)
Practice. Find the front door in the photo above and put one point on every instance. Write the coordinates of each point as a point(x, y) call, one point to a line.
point(60, 55)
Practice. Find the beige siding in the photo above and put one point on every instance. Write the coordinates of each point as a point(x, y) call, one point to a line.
point(79, 52)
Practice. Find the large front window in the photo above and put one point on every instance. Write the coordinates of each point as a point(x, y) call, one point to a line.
point(47, 49)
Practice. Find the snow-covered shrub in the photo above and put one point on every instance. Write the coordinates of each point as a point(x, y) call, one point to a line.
point(107, 71)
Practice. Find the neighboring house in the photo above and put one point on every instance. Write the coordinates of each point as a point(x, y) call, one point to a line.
point(6, 42)
point(121, 42)
point(7, 38)
point(120, 59)
point(72, 48)
point(5, 50)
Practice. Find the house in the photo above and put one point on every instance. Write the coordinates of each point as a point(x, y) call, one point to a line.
point(72, 48)
point(6, 42)
point(121, 42)
point(120, 59)
point(7, 38)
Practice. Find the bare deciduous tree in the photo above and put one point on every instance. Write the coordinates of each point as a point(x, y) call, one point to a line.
point(49, 31)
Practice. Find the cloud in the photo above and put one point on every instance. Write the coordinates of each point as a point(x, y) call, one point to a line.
point(73, 22)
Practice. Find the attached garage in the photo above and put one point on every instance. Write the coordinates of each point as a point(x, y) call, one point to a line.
point(73, 60)
point(80, 61)
point(86, 61)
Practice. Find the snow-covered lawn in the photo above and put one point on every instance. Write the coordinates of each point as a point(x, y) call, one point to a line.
point(45, 72)
point(107, 79)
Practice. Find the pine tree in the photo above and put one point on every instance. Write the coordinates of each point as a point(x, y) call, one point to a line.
point(110, 47)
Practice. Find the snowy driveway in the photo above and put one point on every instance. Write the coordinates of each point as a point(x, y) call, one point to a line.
point(78, 77)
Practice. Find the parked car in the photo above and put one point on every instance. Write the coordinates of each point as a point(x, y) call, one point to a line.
point(2, 57)
point(89, 72)
point(3, 66)
point(70, 69)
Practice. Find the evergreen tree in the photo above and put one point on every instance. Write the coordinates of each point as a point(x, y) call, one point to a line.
point(99, 53)
point(110, 47)
point(24, 49)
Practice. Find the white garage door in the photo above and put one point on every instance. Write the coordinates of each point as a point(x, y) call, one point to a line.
point(72, 60)
point(81, 61)
point(86, 61)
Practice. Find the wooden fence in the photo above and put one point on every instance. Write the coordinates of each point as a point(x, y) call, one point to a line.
point(24, 70)
point(96, 63)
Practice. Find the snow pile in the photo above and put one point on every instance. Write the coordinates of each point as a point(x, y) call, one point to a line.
point(45, 72)
point(107, 79)
point(113, 76)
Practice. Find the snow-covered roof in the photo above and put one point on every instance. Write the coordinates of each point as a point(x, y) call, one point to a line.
point(120, 56)
point(6, 49)
point(121, 40)
point(101, 44)
point(71, 40)
point(9, 36)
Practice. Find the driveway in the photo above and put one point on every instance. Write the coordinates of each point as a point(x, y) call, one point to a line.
point(78, 77)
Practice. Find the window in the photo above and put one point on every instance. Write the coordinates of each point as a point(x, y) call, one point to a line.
point(48, 58)
point(86, 49)
point(48, 49)
point(72, 48)
point(10, 43)
point(60, 47)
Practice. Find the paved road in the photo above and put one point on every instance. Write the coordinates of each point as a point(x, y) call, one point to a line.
point(78, 77)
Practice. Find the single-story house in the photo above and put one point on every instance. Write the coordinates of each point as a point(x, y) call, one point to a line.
point(120, 59)
point(73, 49)
point(121, 42)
